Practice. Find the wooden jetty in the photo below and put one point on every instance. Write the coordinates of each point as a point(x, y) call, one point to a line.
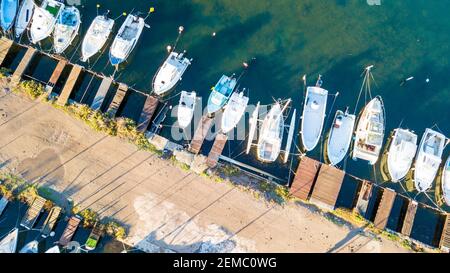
point(70, 84)
point(30, 217)
point(384, 208)
point(216, 151)
point(50, 221)
point(365, 193)
point(445, 237)
point(327, 187)
point(101, 93)
point(117, 100)
point(5, 45)
point(55, 75)
point(70, 229)
point(200, 134)
point(305, 178)
point(150, 105)
point(410, 215)
point(3, 204)
point(23, 65)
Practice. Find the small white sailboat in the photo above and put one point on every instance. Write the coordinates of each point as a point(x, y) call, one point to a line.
point(31, 247)
point(401, 153)
point(370, 132)
point(24, 17)
point(428, 159)
point(186, 108)
point(170, 73)
point(8, 10)
point(66, 28)
point(445, 183)
point(234, 111)
point(220, 93)
point(313, 115)
point(126, 39)
point(9, 243)
point(340, 136)
point(44, 20)
point(54, 249)
point(96, 36)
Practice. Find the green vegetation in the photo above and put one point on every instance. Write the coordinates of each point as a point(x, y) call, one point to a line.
point(115, 230)
point(89, 217)
point(4, 72)
point(229, 170)
point(31, 88)
point(10, 183)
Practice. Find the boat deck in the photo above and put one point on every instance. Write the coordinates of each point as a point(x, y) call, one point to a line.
point(150, 105)
point(23, 65)
point(117, 100)
point(70, 84)
point(200, 134)
point(69, 231)
point(408, 221)
point(30, 217)
point(327, 187)
point(101, 93)
point(3, 204)
point(384, 208)
point(216, 151)
point(365, 193)
point(445, 238)
point(5, 45)
point(50, 221)
point(56, 74)
point(305, 178)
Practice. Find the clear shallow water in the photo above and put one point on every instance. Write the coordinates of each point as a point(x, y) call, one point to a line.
point(288, 39)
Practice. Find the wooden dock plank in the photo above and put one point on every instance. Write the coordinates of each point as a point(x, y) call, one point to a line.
point(364, 196)
point(117, 100)
point(384, 208)
point(5, 46)
point(216, 151)
point(30, 217)
point(408, 221)
point(101, 93)
point(23, 65)
point(150, 105)
point(328, 185)
point(70, 84)
point(55, 75)
point(70, 230)
point(50, 222)
point(445, 238)
point(305, 177)
point(200, 134)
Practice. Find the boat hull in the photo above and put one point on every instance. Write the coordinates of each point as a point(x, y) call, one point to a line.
point(340, 137)
point(234, 111)
point(126, 39)
point(313, 117)
point(401, 154)
point(8, 11)
point(445, 183)
point(271, 136)
point(96, 37)
point(65, 32)
point(24, 17)
point(186, 109)
point(170, 73)
point(43, 22)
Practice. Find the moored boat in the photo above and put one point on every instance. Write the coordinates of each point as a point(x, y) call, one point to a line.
point(31, 247)
point(220, 93)
point(66, 28)
point(170, 73)
point(445, 183)
point(96, 36)
point(24, 17)
point(428, 159)
point(44, 19)
point(126, 39)
point(401, 153)
point(8, 11)
point(313, 116)
point(340, 136)
point(234, 110)
point(9, 243)
point(186, 108)
point(370, 132)
point(54, 249)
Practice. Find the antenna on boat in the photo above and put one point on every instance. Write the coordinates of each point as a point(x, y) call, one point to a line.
point(365, 85)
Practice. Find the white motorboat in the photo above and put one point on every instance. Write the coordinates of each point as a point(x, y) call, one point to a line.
point(221, 93)
point(428, 159)
point(445, 183)
point(126, 39)
point(24, 17)
point(370, 132)
point(313, 116)
point(96, 36)
point(186, 108)
point(44, 20)
point(340, 136)
point(234, 111)
point(8, 11)
point(54, 249)
point(31, 247)
point(66, 28)
point(9, 243)
point(401, 153)
point(170, 73)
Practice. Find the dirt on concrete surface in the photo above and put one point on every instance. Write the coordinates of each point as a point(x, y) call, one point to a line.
point(164, 208)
